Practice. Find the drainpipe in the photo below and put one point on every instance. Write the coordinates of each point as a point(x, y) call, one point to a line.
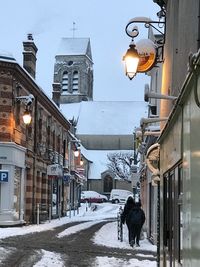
point(34, 161)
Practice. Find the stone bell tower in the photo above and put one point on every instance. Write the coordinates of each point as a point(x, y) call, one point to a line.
point(73, 71)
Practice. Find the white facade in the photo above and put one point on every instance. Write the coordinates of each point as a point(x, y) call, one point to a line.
point(12, 159)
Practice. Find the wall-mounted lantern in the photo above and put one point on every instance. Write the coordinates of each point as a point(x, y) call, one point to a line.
point(27, 117)
point(143, 55)
point(76, 153)
point(27, 100)
point(81, 162)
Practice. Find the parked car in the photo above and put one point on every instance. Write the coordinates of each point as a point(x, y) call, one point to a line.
point(92, 197)
point(119, 195)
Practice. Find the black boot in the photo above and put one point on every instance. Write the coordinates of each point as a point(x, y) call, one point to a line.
point(132, 243)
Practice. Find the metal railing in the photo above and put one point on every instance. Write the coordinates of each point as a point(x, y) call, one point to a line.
point(119, 225)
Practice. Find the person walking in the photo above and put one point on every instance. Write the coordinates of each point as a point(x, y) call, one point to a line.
point(125, 218)
point(136, 219)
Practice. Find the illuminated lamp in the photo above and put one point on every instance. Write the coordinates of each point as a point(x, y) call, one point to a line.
point(76, 153)
point(27, 117)
point(146, 49)
point(81, 162)
point(131, 59)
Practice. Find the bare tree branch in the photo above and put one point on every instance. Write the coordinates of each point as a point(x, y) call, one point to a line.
point(120, 164)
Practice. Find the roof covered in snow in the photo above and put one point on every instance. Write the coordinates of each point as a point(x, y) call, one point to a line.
point(74, 46)
point(6, 56)
point(105, 117)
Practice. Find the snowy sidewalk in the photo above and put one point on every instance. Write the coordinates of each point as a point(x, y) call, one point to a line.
point(106, 236)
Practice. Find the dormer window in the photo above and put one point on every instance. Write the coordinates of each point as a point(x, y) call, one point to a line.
point(65, 82)
point(75, 81)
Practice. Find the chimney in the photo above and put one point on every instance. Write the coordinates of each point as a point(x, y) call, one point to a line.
point(29, 53)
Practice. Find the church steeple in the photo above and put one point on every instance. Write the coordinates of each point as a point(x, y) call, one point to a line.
point(73, 71)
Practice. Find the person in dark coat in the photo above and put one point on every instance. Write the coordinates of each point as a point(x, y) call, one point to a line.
point(136, 219)
point(129, 205)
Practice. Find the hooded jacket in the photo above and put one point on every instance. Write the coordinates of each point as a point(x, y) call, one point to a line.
point(136, 215)
point(130, 203)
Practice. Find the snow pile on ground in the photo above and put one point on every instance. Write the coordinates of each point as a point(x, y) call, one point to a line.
point(49, 259)
point(75, 229)
point(106, 236)
point(114, 262)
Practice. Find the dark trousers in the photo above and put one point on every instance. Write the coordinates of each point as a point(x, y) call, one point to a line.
point(134, 232)
point(130, 235)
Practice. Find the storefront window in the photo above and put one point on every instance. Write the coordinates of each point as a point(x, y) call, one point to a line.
point(54, 197)
point(17, 191)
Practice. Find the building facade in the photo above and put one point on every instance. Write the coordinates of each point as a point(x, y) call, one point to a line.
point(179, 209)
point(34, 157)
point(178, 147)
point(73, 71)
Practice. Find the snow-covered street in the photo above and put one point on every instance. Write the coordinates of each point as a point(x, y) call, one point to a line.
point(106, 236)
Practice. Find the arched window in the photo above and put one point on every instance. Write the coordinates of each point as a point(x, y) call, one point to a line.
point(65, 82)
point(108, 184)
point(75, 81)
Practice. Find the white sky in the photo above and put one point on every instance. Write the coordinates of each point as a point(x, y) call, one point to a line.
point(102, 21)
point(106, 236)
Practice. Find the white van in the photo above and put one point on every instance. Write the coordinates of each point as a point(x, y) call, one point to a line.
point(119, 195)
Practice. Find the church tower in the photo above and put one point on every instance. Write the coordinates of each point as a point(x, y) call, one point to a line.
point(73, 71)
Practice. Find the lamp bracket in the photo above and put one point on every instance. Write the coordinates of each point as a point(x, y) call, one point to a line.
point(148, 94)
point(151, 120)
point(132, 29)
point(27, 100)
point(147, 23)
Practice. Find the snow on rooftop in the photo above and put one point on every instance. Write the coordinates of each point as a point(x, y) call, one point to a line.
point(5, 55)
point(106, 117)
point(73, 46)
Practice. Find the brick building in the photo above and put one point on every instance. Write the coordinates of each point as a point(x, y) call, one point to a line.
point(33, 156)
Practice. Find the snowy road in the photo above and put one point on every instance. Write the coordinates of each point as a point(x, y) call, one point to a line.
point(87, 239)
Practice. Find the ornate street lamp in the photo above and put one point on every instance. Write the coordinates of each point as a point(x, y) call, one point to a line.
point(27, 100)
point(143, 55)
point(131, 59)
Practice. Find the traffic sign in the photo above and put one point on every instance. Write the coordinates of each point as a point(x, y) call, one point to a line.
point(3, 176)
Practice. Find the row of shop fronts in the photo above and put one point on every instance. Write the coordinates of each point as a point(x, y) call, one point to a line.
point(56, 191)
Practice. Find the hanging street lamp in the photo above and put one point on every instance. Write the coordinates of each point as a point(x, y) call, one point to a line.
point(131, 59)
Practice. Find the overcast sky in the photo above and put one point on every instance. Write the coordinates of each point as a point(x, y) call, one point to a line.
point(102, 21)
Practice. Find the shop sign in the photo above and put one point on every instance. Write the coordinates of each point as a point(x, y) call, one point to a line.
point(3, 176)
point(54, 170)
point(66, 177)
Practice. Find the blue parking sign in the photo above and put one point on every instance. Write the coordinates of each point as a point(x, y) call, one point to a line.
point(3, 176)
